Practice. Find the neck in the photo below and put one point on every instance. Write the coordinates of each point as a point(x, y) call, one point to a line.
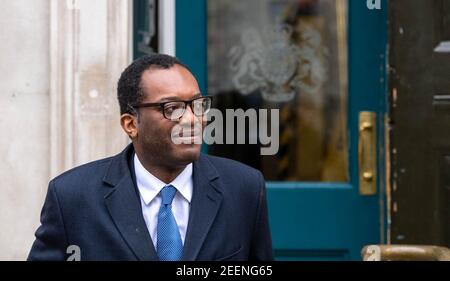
point(164, 173)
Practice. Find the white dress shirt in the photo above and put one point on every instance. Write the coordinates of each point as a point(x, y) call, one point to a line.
point(149, 189)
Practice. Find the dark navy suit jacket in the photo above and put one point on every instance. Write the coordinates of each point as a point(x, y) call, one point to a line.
point(97, 208)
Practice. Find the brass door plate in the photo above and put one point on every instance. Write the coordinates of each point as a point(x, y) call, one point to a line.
point(367, 153)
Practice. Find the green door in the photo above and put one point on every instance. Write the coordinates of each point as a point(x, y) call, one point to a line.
point(320, 63)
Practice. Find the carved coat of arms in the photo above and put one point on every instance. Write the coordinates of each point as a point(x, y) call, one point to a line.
point(275, 66)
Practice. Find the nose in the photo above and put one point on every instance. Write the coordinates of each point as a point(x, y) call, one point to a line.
point(188, 116)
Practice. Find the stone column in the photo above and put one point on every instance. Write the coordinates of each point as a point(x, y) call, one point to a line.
point(89, 48)
point(60, 61)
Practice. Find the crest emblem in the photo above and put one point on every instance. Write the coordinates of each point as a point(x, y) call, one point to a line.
point(275, 66)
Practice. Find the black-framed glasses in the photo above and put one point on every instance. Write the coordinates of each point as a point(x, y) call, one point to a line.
point(174, 110)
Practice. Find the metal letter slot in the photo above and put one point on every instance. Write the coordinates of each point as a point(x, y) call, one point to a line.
point(367, 152)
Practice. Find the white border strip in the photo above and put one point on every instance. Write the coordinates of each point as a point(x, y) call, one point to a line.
point(167, 27)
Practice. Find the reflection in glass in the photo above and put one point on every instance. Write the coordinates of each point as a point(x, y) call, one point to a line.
point(289, 55)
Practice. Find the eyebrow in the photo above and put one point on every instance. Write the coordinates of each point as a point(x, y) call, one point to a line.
point(175, 98)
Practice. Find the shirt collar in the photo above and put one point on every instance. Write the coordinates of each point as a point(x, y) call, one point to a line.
point(149, 186)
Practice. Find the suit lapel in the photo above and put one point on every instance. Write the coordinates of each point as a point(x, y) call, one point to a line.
point(125, 208)
point(206, 201)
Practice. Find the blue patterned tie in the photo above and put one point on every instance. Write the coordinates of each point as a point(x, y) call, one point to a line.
point(168, 246)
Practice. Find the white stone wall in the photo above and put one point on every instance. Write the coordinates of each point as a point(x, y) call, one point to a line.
point(59, 66)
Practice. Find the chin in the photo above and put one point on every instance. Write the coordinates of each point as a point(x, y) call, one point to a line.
point(187, 153)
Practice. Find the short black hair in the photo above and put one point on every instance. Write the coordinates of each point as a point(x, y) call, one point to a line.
point(129, 91)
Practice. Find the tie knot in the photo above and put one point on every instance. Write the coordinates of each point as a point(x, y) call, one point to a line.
point(167, 193)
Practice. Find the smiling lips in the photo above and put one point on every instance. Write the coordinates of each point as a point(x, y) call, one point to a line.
point(189, 133)
point(188, 136)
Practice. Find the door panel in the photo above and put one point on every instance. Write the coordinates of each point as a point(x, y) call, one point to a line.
point(290, 56)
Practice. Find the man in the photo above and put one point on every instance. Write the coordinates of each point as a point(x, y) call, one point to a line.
point(160, 199)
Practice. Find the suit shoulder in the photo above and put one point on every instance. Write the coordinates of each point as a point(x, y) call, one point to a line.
point(92, 172)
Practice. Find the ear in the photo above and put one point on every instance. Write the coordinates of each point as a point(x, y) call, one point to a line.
point(129, 124)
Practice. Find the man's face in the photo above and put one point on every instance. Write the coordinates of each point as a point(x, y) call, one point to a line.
point(154, 132)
